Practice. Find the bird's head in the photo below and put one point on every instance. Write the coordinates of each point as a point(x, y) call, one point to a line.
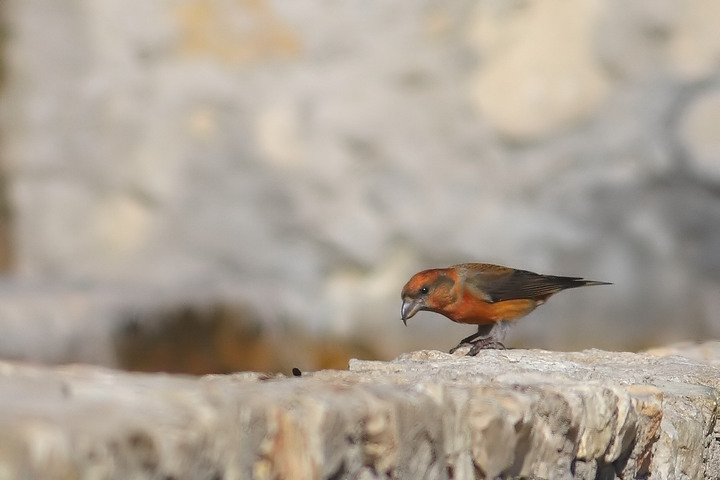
point(425, 291)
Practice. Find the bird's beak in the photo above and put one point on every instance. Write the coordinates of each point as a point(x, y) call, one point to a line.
point(409, 308)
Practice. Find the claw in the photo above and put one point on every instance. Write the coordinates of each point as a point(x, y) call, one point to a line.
point(484, 344)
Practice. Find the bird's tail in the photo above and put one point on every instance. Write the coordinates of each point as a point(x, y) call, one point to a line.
point(557, 284)
point(588, 283)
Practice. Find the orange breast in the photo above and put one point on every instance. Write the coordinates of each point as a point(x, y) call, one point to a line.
point(478, 312)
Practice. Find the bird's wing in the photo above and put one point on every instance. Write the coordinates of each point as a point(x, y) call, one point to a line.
point(502, 283)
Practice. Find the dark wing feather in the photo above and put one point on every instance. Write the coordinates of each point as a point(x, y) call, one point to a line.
point(498, 285)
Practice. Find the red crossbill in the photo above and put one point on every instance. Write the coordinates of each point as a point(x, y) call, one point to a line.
point(489, 296)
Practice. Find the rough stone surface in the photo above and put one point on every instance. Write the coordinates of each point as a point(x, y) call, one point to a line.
point(427, 414)
point(314, 155)
point(701, 134)
point(552, 81)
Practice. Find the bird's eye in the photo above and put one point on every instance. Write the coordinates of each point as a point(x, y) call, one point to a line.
point(424, 290)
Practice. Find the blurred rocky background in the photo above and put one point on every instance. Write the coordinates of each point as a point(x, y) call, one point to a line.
point(220, 185)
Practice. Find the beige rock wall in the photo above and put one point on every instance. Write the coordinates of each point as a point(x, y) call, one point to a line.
point(303, 159)
point(514, 413)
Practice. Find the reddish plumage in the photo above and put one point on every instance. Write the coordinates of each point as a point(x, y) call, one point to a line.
point(482, 294)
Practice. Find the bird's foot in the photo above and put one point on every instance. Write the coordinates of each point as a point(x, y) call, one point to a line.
point(486, 343)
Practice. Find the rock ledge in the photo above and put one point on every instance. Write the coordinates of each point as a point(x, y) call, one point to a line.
point(427, 414)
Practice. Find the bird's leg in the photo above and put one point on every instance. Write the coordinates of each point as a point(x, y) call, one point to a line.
point(469, 339)
point(484, 343)
point(483, 332)
point(487, 337)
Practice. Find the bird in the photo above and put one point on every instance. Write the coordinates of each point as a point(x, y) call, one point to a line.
point(489, 296)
